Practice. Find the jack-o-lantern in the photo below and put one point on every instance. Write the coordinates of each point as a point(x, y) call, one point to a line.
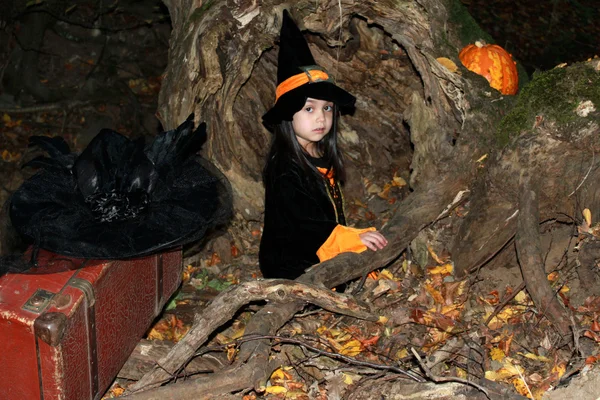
point(492, 62)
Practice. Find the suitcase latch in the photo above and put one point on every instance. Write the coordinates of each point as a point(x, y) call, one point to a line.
point(38, 301)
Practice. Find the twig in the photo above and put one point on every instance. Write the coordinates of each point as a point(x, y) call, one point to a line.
point(586, 175)
point(458, 199)
point(46, 107)
point(338, 356)
point(439, 379)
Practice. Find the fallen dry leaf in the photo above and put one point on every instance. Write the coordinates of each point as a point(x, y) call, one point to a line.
point(587, 215)
point(398, 181)
point(448, 63)
point(276, 390)
point(351, 348)
point(535, 357)
point(235, 252)
point(496, 354)
point(445, 269)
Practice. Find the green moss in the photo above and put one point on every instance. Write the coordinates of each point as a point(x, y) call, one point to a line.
point(553, 95)
point(468, 30)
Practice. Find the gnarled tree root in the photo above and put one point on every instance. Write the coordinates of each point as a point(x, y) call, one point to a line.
point(531, 260)
point(417, 211)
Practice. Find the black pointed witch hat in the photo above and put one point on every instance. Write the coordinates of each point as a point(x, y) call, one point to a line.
point(298, 77)
point(121, 198)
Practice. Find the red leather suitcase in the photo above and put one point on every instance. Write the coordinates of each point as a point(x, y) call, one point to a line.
point(66, 331)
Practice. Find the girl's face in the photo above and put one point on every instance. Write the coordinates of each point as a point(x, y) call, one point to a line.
point(312, 123)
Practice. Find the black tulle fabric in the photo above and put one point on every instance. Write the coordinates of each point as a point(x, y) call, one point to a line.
point(119, 198)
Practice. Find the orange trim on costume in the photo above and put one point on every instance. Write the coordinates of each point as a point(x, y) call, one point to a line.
point(342, 239)
point(291, 83)
point(328, 175)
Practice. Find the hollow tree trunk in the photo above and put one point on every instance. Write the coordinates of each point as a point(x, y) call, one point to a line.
point(222, 66)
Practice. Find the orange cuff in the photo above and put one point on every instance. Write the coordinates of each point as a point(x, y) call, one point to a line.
point(342, 239)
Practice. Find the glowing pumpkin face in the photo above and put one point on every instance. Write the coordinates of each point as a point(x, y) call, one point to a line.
point(492, 62)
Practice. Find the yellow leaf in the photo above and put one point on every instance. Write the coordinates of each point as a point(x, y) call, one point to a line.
point(521, 387)
point(587, 214)
point(553, 276)
point(374, 188)
point(559, 369)
point(322, 329)
point(494, 323)
point(461, 373)
point(278, 375)
point(348, 379)
point(276, 390)
point(343, 336)
point(384, 194)
point(335, 344)
point(445, 269)
point(508, 312)
point(532, 356)
point(435, 294)
point(448, 63)
point(382, 319)
point(522, 297)
point(511, 369)
point(483, 157)
point(335, 332)
point(401, 354)
point(386, 274)
point(6, 118)
point(503, 373)
point(437, 336)
point(461, 289)
point(496, 354)
point(398, 181)
point(231, 351)
point(351, 348)
point(491, 375)
point(564, 289)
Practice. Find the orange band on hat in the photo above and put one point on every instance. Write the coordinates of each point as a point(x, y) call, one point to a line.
point(291, 83)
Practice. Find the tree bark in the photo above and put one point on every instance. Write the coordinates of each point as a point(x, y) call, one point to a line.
point(587, 269)
point(222, 66)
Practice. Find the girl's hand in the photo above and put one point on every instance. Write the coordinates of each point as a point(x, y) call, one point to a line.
point(373, 240)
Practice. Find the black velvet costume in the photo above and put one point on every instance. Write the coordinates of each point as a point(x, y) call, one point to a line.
point(300, 214)
point(302, 208)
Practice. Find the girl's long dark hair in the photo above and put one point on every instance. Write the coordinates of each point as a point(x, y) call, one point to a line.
point(285, 144)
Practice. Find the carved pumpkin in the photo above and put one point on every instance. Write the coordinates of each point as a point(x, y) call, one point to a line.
point(493, 63)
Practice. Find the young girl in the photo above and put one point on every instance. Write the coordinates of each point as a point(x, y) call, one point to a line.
point(304, 206)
